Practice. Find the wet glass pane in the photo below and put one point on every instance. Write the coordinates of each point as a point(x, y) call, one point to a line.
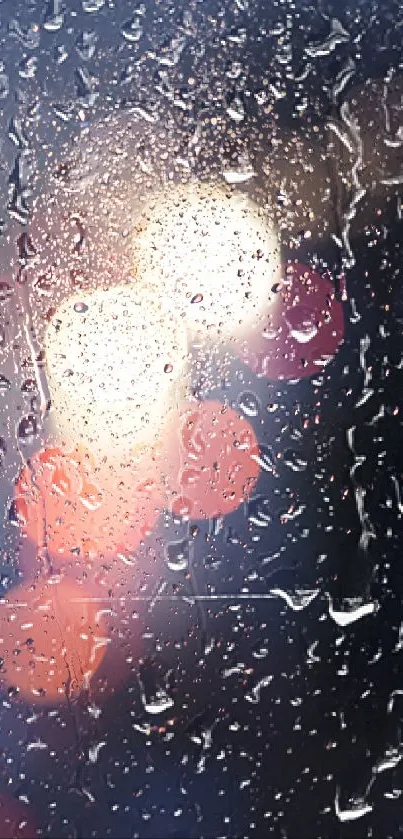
point(201, 624)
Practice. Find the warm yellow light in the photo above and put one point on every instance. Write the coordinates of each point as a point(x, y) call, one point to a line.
point(213, 255)
point(116, 364)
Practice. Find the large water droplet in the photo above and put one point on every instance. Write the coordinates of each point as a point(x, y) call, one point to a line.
point(93, 5)
point(85, 45)
point(18, 512)
point(258, 511)
point(157, 704)
point(132, 29)
point(302, 324)
point(249, 403)
point(294, 461)
point(177, 555)
point(27, 429)
point(5, 384)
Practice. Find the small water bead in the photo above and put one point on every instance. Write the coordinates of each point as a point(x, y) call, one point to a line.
point(80, 308)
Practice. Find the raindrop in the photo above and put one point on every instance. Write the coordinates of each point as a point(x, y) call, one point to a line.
point(18, 512)
point(60, 53)
point(154, 697)
point(302, 324)
point(249, 403)
point(29, 386)
point(294, 461)
point(93, 5)
point(157, 704)
point(29, 37)
point(45, 285)
point(18, 137)
point(27, 428)
point(258, 511)
point(28, 67)
point(3, 451)
point(54, 17)
point(266, 459)
point(5, 384)
point(85, 45)
point(260, 650)
point(132, 29)
point(4, 83)
point(80, 308)
point(168, 368)
point(177, 555)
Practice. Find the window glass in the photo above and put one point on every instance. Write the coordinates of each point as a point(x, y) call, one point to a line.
point(200, 398)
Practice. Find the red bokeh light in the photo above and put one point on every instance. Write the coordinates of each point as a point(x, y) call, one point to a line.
point(303, 330)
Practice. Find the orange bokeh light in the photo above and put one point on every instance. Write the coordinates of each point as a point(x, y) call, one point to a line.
point(52, 640)
point(71, 511)
point(211, 461)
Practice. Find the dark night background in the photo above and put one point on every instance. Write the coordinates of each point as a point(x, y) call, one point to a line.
point(237, 762)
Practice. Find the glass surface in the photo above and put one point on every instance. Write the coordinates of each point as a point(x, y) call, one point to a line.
point(201, 622)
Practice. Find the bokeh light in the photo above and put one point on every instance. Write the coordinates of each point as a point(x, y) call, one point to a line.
point(73, 512)
point(213, 253)
point(115, 361)
point(52, 641)
point(212, 461)
point(303, 330)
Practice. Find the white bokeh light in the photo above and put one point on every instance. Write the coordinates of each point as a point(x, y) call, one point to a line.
point(213, 254)
point(116, 364)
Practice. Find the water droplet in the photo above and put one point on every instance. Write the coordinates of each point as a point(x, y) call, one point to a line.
point(249, 403)
point(18, 512)
point(6, 292)
point(132, 29)
point(29, 386)
point(177, 555)
point(294, 461)
point(197, 298)
point(27, 428)
point(4, 86)
point(302, 324)
point(168, 368)
point(154, 696)
point(54, 16)
point(80, 308)
point(93, 5)
point(5, 384)
point(85, 45)
point(45, 285)
point(29, 37)
point(27, 67)
point(157, 704)
point(258, 511)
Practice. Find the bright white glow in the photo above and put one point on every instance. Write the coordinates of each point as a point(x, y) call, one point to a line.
point(213, 253)
point(116, 363)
